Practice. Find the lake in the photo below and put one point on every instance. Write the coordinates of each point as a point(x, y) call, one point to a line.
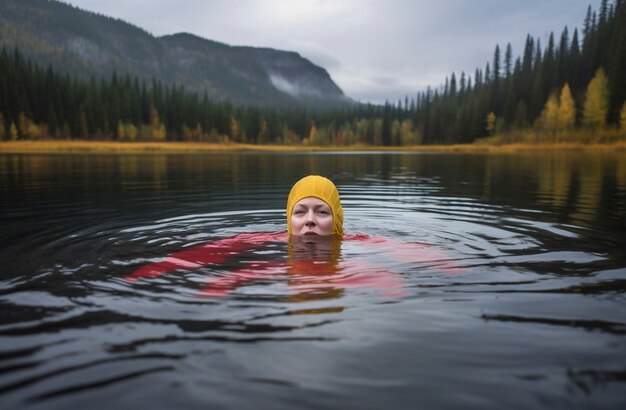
point(488, 281)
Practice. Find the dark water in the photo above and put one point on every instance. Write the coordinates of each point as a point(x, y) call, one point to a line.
point(533, 315)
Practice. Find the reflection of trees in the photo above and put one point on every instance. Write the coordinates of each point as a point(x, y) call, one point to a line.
point(620, 174)
point(590, 181)
point(554, 180)
point(574, 183)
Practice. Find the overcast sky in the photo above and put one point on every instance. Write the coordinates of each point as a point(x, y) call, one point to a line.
point(375, 50)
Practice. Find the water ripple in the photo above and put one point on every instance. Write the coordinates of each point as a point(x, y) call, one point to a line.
point(482, 272)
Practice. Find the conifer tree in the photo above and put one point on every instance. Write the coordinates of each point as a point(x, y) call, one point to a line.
point(38, 101)
point(587, 25)
point(616, 60)
point(386, 126)
point(508, 60)
point(573, 61)
point(562, 68)
point(81, 126)
point(262, 136)
point(548, 66)
point(496, 64)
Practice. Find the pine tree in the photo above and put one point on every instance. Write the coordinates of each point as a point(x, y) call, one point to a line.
point(573, 62)
point(262, 136)
point(548, 66)
point(496, 64)
point(452, 85)
point(616, 60)
point(386, 126)
point(508, 60)
point(81, 126)
point(562, 70)
point(587, 26)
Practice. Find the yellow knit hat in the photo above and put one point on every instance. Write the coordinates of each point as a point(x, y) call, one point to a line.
point(321, 188)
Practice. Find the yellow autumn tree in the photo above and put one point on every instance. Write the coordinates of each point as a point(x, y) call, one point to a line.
point(550, 116)
point(13, 135)
point(313, 134)
point(131, 131)
point(157, 128)
point(198, 132)
point(234, 130)
point(567, 110)
point(491, 123)
point(186, 132)
point(22, 125)
point(407, 134)
point(121, 131)
point(66, 132)
point(36, 131)
point(596, 105)
point(395, 132)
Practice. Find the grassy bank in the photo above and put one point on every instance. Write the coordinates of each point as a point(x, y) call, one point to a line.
point(106, 147)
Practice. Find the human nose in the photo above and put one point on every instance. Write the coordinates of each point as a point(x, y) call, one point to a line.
point(310, 219)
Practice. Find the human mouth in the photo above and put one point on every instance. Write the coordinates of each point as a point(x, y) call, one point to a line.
point(310, 233)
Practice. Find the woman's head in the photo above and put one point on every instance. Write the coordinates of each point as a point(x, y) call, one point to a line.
point(314, 207)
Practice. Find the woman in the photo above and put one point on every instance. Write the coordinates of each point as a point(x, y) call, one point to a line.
point(314, 208)
point(313, 268)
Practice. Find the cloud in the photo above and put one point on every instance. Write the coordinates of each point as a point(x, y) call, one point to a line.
point(316, 53)
point(373, 49)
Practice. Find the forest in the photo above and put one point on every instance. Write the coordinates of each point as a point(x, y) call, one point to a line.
point(572, 89)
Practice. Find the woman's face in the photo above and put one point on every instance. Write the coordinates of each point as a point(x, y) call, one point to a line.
point(311, 216)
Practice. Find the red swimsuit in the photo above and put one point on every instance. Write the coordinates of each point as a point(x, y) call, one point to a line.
point(309, 276)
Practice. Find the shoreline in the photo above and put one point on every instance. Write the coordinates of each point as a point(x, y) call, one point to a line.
point(112, 147)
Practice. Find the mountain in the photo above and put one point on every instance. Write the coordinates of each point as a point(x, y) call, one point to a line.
point(86, 44)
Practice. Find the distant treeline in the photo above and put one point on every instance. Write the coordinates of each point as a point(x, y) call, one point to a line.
point(574, 88)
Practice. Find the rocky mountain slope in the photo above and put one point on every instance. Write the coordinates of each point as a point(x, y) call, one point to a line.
point(87, 44)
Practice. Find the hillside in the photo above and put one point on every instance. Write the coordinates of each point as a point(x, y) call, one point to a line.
point(86, 44)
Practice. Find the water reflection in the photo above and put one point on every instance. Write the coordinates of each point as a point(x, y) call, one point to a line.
point(501, 275)
point(313, 270)
point(582, 188)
